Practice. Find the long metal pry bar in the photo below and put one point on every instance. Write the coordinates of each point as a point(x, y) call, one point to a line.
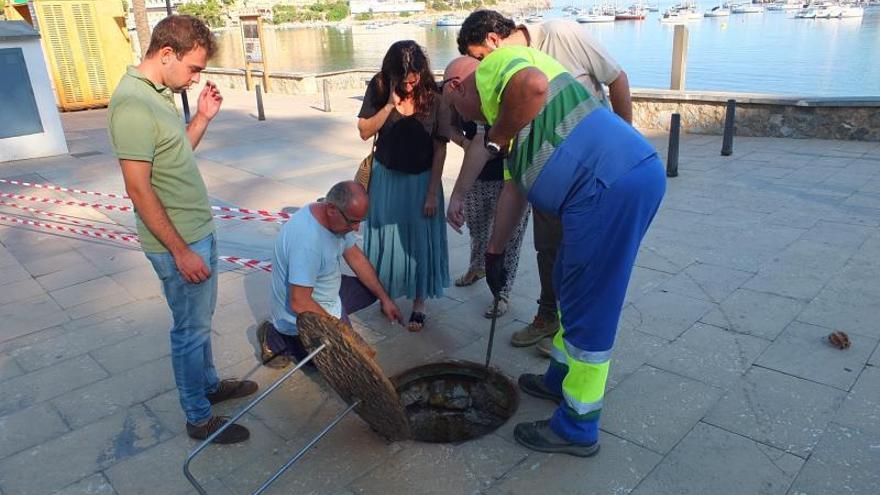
point(250, 406)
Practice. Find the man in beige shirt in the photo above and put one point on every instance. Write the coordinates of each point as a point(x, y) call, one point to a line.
point(481, 33)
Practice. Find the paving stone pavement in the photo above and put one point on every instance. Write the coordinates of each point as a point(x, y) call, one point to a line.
point(722, 380)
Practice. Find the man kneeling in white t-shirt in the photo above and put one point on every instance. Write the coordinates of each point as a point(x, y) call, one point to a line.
point(307, 276)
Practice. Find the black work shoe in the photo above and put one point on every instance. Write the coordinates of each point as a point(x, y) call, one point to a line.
point(232, 389)
point(534, 385)
point(539, 436)
point(234, 434)
point(266, 353)
point(278, 362)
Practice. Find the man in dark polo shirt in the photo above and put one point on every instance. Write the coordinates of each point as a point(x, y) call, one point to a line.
point(174, 220)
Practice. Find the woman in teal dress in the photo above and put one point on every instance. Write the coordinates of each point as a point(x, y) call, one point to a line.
point(405, 235)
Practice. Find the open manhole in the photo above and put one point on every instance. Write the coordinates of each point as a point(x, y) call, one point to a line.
point(455, 401)
point(450, 401)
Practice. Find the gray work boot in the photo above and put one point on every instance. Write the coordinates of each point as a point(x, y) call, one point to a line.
point(545, 347)
point(539, 328)
point(539, 436)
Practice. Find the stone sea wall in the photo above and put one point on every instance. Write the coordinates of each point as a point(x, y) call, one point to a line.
point(760, 115)
point(702, 112)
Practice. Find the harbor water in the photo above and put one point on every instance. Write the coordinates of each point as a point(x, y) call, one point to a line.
point(764, 53)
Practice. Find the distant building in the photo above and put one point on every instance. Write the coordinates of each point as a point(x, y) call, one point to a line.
point(389, 6)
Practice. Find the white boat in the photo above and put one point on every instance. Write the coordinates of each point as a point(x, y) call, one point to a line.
point(633, 13)
point(828, 12)
point(746, 8)
point(682, 12)
point(787, 6)
point(595, 15)
point(674, 17)
point(447, 21)
point(806, 13)
point(717, 11)
point(850, 11)
point(595, 18)
point(534, 19)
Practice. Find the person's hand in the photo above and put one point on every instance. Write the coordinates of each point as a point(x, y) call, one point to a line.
point(392, 312)
point(496, 273)
point(455, 212)
point(210, 100)
point(393, 98)
point(430, 207)
point(192, 267)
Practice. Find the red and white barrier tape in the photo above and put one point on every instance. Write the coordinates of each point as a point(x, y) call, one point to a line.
point(66, 218)
point(104, 206)
point(262, 213)
point(61, 188)
point(248, 263)
point(67, 203)
point(245, 262)
point(64, 228)
point(251, 218)
point(231, 209)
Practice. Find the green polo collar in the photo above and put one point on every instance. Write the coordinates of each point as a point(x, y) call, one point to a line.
point(135, 73)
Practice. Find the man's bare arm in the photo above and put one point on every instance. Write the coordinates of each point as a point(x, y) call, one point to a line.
point(621, 99)
point(511, 207)
point(521, 102)
point(365, 272)
point(151, 211)
point(208, 104)
point(301, 301)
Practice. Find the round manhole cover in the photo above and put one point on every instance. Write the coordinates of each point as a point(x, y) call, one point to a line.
point(348, 366)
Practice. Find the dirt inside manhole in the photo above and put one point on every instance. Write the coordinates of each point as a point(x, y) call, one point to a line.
point(455, 401)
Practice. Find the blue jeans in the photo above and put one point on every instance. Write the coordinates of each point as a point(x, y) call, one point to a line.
point(192, 307)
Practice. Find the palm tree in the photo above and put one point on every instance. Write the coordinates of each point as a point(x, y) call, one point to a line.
point(141, 25)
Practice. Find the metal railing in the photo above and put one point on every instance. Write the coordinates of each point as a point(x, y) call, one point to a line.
point(198, 450)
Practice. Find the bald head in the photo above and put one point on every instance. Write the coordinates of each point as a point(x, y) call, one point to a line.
point(348, 195)
point(460, 68)
point(460, 90)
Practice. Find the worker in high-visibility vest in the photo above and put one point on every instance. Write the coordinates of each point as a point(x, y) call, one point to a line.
point(568, 155)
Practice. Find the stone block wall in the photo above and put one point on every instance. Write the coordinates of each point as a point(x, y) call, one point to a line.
point(761, 115)
point(702, 112)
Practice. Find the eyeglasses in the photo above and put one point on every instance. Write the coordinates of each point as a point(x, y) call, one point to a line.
point(350, 222)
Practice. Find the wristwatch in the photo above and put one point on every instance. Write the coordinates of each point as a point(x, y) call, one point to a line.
point(493, 147)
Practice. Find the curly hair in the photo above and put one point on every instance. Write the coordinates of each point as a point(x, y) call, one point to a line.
point(479, 24)
point(182, 33)
point(403, 58)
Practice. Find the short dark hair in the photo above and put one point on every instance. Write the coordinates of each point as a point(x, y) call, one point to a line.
point(182, 33)
point(340, 195)
point(479, 24)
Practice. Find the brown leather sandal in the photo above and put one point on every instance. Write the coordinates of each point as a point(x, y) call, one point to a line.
point(470, 278)
point(416, 321)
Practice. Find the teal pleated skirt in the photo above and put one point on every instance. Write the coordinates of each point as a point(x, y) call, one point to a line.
point(408, 249)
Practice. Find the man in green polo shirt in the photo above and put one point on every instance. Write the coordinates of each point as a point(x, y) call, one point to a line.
point(174, 220)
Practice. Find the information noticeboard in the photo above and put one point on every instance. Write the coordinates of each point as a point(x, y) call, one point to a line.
point(254, 48)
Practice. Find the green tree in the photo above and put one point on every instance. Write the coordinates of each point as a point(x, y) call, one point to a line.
point(209, 11)
point(337, 11)
point(320, 11)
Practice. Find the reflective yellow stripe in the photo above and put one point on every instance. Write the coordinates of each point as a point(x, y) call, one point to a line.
point(558, 352)
point(584, 385)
